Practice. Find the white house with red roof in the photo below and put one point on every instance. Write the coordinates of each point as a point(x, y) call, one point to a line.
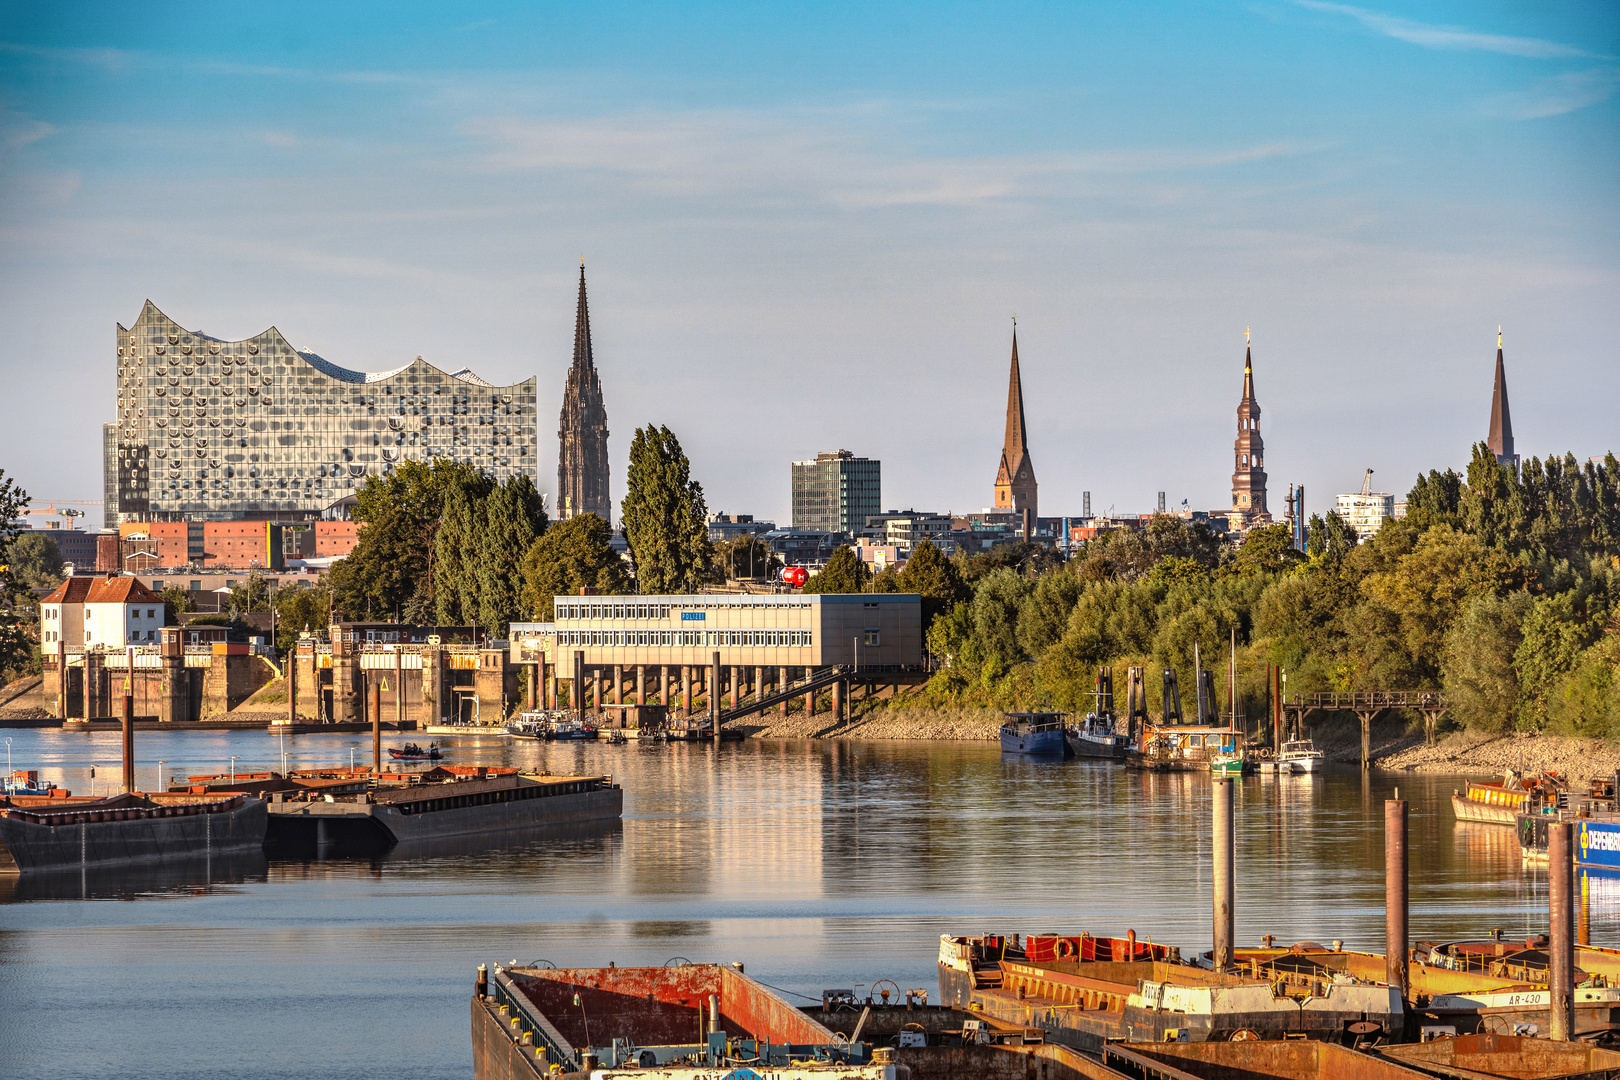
point(111, 612)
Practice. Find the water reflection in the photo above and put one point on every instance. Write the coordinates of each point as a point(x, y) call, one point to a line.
point(818, 864)
point(181, 878)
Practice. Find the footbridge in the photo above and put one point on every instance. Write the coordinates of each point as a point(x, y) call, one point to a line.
point(1367, 704)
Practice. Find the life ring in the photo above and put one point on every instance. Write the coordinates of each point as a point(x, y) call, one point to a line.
point(1066, 949)
point(1265, 751)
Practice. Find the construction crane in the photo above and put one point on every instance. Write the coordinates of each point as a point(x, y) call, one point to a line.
point(1366, 483)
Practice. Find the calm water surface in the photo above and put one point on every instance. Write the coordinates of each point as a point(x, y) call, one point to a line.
point(817, 864)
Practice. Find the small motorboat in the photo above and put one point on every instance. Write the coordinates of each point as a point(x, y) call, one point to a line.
point(1302, 754)
point(27, 782)
point(1226, 765)
point(1037, 734)
point(565, 728)
point(412, 752)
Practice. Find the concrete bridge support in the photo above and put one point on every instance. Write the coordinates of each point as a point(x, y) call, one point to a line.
point(174, 699)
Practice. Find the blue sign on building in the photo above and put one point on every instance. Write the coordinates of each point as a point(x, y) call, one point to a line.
point(692, 616)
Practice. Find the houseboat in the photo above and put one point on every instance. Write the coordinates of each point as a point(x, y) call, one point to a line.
point(1185, 747)
point(1499, 802)
point(1036, 733)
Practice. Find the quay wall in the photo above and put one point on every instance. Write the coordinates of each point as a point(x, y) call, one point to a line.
point(204, 687)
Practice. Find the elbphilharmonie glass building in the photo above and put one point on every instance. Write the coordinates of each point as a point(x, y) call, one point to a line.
point(215, 430)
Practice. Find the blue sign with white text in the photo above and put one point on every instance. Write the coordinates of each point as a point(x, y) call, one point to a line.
point(692, 616)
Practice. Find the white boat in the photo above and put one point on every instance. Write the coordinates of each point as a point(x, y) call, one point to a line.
point(1281, 768)
point(1303, 754)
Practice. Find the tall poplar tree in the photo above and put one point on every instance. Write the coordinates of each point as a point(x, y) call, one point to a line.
point(663, 515)
point(455, 547)
point(514, 517)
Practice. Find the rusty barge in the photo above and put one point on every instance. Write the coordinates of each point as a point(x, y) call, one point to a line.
point(663, 1023)
point(1084, 991)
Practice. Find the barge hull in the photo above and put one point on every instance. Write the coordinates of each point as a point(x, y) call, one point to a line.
point(27, 847)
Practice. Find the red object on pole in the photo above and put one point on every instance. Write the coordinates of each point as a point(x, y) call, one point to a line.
point(795, 576)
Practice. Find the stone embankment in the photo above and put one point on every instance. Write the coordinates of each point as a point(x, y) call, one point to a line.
point(1487, 755)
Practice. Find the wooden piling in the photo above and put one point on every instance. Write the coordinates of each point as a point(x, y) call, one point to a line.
point(1396, 897)
point(1560, 932)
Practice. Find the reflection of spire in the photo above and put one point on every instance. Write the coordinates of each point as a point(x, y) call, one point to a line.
point(1500, 439)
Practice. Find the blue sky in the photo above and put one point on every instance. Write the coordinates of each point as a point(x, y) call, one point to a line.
point(808, 227)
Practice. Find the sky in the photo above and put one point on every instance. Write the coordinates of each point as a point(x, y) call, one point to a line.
point(809, 227)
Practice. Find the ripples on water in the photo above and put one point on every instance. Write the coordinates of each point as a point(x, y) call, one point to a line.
point(817, 864)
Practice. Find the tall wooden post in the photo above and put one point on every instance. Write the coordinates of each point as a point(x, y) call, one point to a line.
point(61, 678)
point(292, 685)
point(1560, 931)
point(1223, 878)
point(376, 729)
point(129, 719)
point(1396, 897)
point(399, 689)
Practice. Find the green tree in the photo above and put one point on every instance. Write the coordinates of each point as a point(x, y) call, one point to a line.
point(745, 557)
point(455, 558)
point(18, 609)
point(250, 595)
point(176, 602)
point(663, 515)
point(573, 554)
point(1267, 549)
point(1043, 614)
point(1478, 673)
point(935, 578)
point(298, 610)
point(844, 573)
point(1587, 700)
point(36, 561)
point(514, 517)
point(996, 603)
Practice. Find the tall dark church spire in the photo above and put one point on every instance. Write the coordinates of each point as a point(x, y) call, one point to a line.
point(1015, 479)
point(1500, 439)
point(1249, 452)
point(582, 434)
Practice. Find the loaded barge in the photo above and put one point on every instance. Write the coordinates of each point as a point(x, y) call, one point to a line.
point(1084, 991)
point(44, 834)
point(372, 821)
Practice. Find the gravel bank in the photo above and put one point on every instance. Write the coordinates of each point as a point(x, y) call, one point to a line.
point(950, 725)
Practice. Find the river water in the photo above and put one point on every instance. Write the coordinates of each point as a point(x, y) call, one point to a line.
point(817, 864)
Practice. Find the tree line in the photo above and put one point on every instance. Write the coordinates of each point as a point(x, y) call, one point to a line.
point(1500, 587)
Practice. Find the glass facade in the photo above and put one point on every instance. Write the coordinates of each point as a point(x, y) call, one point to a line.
point(211, 429)
point(836, 492)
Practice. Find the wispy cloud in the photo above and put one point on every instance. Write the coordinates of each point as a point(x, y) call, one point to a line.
point(109, 59)
point(1431, 36)
point(1559, 94)
point(809, 155)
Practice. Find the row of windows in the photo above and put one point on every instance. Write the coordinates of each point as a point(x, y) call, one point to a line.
point(654, 611)
point(52, 613)
point(690, 639)
point(134, 635)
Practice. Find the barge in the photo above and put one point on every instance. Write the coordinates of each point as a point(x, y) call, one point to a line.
point(53, 834)
point(371, 822)
point(670, 1023)
point(1078, 994)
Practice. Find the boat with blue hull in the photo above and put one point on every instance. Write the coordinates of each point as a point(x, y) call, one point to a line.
point(1039, 734)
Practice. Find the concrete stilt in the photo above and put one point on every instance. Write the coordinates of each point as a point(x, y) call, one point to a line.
point(686, 689)
point(641, 684)
point(714, 692)
point(618, 684)
point(781, 682)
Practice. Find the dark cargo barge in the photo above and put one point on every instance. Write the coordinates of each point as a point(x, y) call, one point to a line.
point(371, 822)
point(58, 834)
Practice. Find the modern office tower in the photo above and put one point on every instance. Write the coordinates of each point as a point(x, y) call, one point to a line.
point(1500, 439)
point(836, 492)
point(582, 432)
point(1016, 490)
point(1249, 455)
point(218, 430)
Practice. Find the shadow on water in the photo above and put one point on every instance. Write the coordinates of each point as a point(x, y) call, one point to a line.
point(190, 877)
point(510, 851)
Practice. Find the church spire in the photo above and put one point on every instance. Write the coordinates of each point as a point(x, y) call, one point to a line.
point(1249, 451)
point(582, 326)
point(1500, 439)
point(1015, 478)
